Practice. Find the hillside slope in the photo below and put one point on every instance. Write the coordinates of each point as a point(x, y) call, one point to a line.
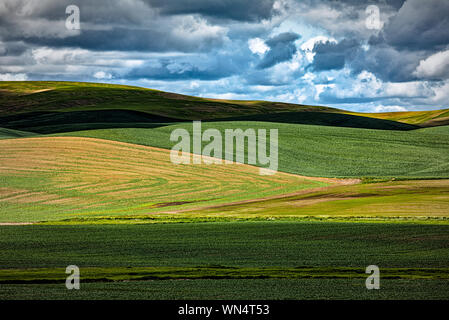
point(431, 118)
point(52, 178)
point(323, 151)
point(9, 133)
point(314, 141)
point(48, 107)
point(18, 97)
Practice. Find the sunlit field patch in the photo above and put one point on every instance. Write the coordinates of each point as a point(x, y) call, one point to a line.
point(60, 177)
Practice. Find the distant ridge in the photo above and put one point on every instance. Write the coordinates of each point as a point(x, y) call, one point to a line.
point(51, 107)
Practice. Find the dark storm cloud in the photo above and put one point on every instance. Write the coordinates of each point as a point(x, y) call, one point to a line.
point(150, 25)
point(418, 30)
point(120, 25)
point(212, 66)
point(14, 48)
point(415, 30)
point(128, 39)
point(419, 25)
point(282, 48)
point(173, 70)
point(397, 4)
point(331, 55)
point(224, 9)
point(389, 64)
point(362, 4)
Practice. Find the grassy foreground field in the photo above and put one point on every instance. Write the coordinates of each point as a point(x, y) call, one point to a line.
point(231, 244)
point(234, 289)
point(310, 259)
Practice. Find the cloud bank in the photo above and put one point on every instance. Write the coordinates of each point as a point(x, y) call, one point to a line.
point(315, 52)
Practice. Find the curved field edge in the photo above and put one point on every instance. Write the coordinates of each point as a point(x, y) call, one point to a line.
point(320, 151)
point(54, 178)
point(405, 202)
point(81, 180)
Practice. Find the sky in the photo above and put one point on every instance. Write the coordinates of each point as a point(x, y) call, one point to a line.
point(367, 56)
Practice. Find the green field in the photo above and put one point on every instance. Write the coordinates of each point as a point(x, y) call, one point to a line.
point(281, 252)
point(86, 180)
point(231, 289)
point(10, 133)
point(377, 202)
point(322, 151)
point(313, 141)
point(233, 244)
point(87, 165)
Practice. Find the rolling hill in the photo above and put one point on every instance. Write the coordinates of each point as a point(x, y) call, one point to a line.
point(19, 97)
point(323, 151)
point(48, 107)
point(62, 142)
point(431, 118)
point(51, 178)
point(314, 141)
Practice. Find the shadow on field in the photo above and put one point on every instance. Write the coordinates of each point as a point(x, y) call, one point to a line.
point(327, 119)
point(59, 122)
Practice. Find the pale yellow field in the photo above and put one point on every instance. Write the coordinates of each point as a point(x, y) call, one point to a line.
point(51, 178)
point(428, 118)
point(414, 200)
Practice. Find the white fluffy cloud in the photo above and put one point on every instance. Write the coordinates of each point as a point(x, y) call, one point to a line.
point(367, 86)
point(46, 55)
point(102, 75)
point(406, 89)
point(257, 46)
point(381, 108)
point(194, 28)
point(435, 66)
point(13, 77)
point(308, 46)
